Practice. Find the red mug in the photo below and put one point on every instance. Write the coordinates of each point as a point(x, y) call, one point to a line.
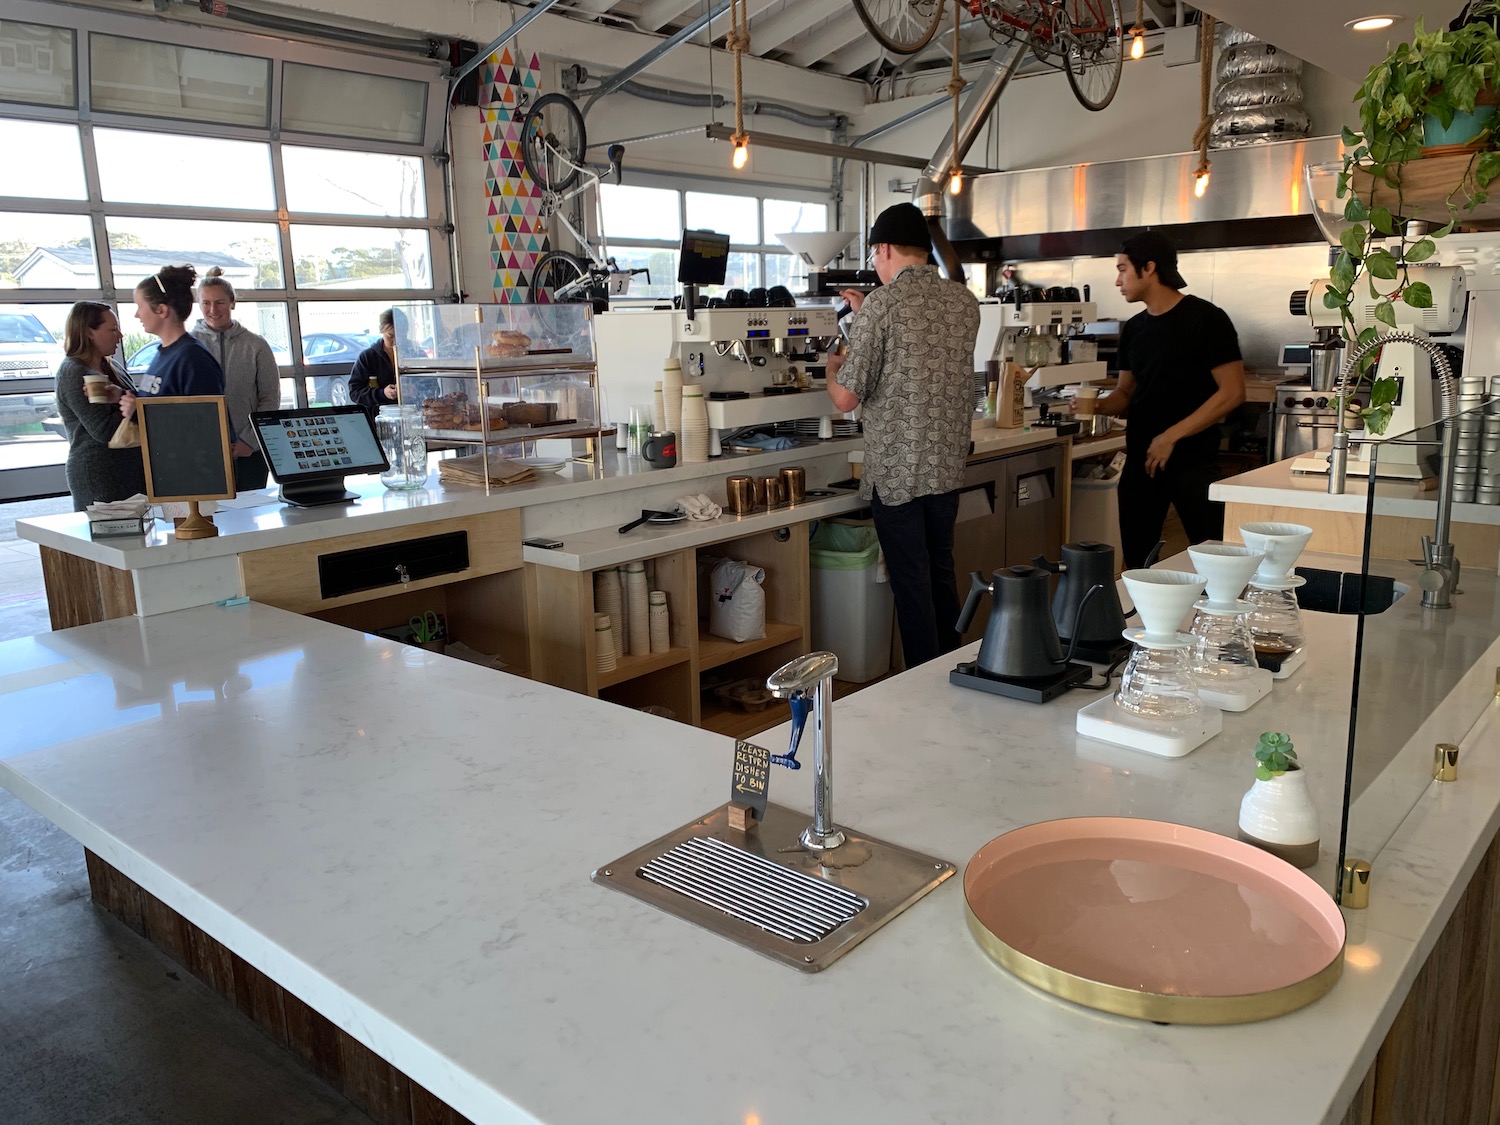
point(660, 450)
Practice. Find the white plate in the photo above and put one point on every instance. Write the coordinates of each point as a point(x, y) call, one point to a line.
point(542, 464)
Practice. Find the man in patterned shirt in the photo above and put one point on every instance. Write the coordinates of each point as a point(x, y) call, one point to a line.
point(911, 366)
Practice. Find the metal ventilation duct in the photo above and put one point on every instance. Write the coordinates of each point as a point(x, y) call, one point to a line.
point(1258, 198)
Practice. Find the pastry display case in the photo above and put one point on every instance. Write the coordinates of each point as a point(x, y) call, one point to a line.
point(496, 375)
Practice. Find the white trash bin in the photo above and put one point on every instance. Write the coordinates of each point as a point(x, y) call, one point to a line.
point(1095, 513)
point(852, 607)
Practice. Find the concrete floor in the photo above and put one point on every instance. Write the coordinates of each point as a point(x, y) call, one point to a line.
point(97, 1026)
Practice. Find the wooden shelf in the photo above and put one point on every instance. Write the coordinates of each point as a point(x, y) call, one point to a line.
point(714, 651)
point(735, 723)
point(629, 667)
point(1425, 186)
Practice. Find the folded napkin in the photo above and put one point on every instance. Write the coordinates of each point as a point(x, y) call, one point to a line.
point(699, 507)
point(132, 507)
point(470, 470)
point(768, 443)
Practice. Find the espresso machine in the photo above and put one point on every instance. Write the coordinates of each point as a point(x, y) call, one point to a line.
point(1408, 364)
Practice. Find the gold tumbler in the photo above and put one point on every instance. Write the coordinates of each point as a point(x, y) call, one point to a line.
point(740, 493)
point(794, 481)
point(775, 492)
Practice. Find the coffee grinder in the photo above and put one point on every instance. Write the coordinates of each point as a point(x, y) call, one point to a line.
point(1158, 708)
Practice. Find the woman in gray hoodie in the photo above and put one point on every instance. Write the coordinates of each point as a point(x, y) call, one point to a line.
point(251, 380)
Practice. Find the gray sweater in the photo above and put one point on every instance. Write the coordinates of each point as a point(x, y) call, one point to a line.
point(251, 381)
point(95, 471)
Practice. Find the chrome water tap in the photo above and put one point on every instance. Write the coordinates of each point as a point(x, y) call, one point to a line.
point(807, 683)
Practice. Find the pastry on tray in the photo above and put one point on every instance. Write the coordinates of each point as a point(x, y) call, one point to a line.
point(507, 344)
point(455, 412)
point(530, 413)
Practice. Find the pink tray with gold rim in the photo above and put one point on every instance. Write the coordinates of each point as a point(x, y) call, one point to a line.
point(1154, 920)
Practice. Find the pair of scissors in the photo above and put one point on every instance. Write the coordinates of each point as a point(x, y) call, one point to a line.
point(425, 628)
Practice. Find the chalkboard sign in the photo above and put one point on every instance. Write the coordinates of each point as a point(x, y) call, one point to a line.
point(185, 444)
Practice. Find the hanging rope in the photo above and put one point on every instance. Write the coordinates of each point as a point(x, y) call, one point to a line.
point(1205, 79)
point(1140, 18)
point(955, 87)
point(738, 41)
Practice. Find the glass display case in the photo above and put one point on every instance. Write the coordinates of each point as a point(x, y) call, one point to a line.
point(1422, 673)
point(498, 375)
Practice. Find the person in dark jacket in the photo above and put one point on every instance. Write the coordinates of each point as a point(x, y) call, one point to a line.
point(372, 381)
point(183, 366)
point(89, 388)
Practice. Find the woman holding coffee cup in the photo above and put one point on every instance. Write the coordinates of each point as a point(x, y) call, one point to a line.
point(89, 388)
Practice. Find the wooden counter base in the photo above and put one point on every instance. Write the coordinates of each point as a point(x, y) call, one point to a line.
point(80, 591)
point(351, 1068)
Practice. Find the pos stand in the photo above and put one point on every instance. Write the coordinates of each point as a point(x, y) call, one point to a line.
point(196, 525)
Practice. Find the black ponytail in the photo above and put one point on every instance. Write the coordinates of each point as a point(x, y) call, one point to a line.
point(171, 286)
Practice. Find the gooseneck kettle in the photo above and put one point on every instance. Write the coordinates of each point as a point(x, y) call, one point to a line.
point(1086, 565)
point(1020, 640)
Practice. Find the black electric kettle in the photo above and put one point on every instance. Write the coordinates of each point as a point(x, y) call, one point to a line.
point(1085, 566)
point(1020, 640)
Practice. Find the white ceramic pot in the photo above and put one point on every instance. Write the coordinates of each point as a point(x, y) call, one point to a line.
point(1282, 543)
point(1162, 598)
point(1279, 815)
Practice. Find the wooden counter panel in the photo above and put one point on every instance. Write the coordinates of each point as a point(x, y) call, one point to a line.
point(287, 577)
point(1343, 533)
point(80, 591)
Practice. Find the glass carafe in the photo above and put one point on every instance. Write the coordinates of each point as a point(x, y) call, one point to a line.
point(400, 431)
point(1275, 621)
point(1223, 649)
point(1036, 350)
point(1158, 684)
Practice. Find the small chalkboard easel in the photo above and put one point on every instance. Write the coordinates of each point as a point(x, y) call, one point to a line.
point(185, 445)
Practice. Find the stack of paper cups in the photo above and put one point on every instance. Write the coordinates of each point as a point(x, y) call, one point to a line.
point(671, 396)
point(604, 644)
point(658, 415)
point(607, 600)
point(661, 631)
point(692, 437)
point(636, 610)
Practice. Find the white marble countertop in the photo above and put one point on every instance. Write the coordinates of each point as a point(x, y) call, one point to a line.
point(1278, 484)
point(248, 525)
point(404, 841)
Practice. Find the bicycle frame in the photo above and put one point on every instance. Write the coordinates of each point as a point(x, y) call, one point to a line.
point(552, 204)
point(1043, 21)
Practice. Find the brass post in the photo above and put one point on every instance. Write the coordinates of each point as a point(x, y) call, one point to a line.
point(1355, 893)
point(1445, 762)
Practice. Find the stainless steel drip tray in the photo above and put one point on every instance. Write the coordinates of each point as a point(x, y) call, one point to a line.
point(766, 891)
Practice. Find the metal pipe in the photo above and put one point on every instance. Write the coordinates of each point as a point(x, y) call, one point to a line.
point(928, 194)
point(499, 41)
point(897, 122)
point(666, 46)
point(719, 101)
point(813, 675)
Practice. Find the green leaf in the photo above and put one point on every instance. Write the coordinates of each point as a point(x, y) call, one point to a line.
point(1383, 264)
point(1377, 418)
point(1342, 273)
point(1383, 392)
point(1263, 774)
point(1355, 210)
point(1486, 169)
point(1349, 136)
point(1385, 314)
point(1443, 231)
point(1380, 219)
point(1418, 295)
point(1353, 240)
point(1333, 297)
point(1421, 250)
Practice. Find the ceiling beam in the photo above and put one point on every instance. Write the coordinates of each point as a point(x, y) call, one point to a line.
point(771, 32)
point(656, 14)
point(1164, 12)
point(757, 8)
point(827, 39)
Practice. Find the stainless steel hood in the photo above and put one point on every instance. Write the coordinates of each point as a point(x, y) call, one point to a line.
point(1257, 196)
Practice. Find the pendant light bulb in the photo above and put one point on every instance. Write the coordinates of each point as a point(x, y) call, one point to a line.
point(1200, 183)
point(956, 182)
point(741, 153)
point(1138, 44)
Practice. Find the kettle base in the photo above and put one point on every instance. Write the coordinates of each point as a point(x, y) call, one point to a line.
point(1106, 653)
point(1038, 690)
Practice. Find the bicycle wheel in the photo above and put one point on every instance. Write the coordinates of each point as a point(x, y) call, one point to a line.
point(553, 142)
point(562, 275)
point(1093, 47)
point(902, 26)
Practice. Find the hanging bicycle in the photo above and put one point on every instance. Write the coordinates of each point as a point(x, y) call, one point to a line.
point(903, 27)
point(553, 143)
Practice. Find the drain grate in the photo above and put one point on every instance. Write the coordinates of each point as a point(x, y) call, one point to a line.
point(763, 894)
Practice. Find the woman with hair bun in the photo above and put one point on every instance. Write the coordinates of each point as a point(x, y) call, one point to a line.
point(183, 366)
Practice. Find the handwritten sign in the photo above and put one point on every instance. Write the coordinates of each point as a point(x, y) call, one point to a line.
point(752, 776)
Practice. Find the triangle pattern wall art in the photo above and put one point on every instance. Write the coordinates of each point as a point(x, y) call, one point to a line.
point(517, 233)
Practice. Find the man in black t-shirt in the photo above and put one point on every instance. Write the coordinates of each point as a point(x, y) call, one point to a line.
point(1180, 374)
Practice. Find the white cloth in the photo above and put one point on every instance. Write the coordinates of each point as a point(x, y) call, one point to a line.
point(699, 507)
point(132, 508)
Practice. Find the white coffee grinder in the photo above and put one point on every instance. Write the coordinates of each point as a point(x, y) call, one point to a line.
point(1275, 619)
point(1223, 648)
point(1158, 708)
point(1407, 363)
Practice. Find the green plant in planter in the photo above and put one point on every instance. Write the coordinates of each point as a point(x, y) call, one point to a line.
point(1439, 74)
point(1274, 755)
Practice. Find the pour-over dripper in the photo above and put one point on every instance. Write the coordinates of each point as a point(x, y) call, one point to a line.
point(1162, 598)
point(1282, 543)
point(1227, 568)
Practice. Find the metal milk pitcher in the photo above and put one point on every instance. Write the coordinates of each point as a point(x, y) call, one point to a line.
point(1084, 565)
point(1020, 640)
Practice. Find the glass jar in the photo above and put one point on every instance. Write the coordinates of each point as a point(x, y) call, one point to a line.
point(1275, 621)
point(400, 431)
point(1223, 649)
point(1036, 350)
point(1158, 684)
